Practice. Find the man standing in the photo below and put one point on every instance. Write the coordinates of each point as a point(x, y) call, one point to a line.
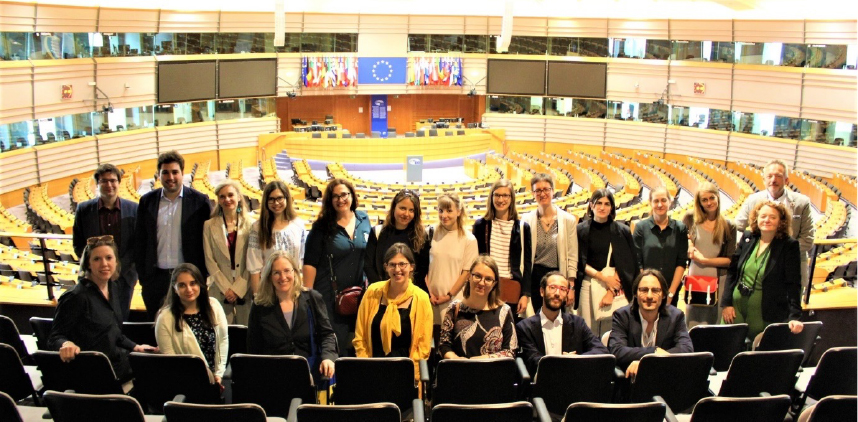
point(776, 175)
point(169, 231)
point(110, 215)
point(552, 332)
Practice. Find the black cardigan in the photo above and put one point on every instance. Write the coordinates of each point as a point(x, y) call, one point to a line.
point(781, 281)
point(373, 263)
point(624, 256)
point(269, 334)
point(483, 232)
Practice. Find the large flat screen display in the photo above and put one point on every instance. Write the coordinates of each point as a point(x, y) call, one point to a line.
point(580, 80)
point(180, 82)
point(515, 77)
point(247, 78)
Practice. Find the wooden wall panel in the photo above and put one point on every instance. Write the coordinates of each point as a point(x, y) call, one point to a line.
point(319, 22)
point(830, 95)
point(444, 25)
point(575, 131)
point(183, 21)
point(246, 155)
point(519, 127)
point(702, 143)
point(782, 31)
point(55, 160)
point(476, 25)
point(531, 27)
point(128, 147)
point(585, 28)
point(244, 133)
point(127, 20)
point(129, 81)
point(204, 136)
point(49, 76)
point(19, 171)
point(763, 89)
point(745, 148)
point(718, 78)
point(17, 17)
point(635, 135)
point(634, 79)
point(58, 18)
point(656, 29)
point(16, 83)
point(701, 29)
point(383, 24)
point(831, 32)
point(232, 21)
point(826, 160)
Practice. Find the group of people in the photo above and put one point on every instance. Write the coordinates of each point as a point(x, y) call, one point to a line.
point(535, 284)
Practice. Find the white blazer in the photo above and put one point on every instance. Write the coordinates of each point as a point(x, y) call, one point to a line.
point(567, 240)
point(171, 342)
point(217, 256)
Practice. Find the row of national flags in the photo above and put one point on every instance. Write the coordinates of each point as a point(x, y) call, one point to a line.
point(347, 72)
point(329, 72)
point(438, 71)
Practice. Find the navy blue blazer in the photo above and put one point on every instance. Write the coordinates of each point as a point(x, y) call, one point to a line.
point(196, 209)
point(482, 231)
point(576, 336)
point(625, 340)
point(86, 225)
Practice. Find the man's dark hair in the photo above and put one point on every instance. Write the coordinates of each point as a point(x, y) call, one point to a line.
point(544, 282)
point(107, 168)
point(171, 157)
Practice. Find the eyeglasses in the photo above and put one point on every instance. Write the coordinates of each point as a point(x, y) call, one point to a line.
point(502, 195)
point(108, 181)
point(542, 191)
point(400, 265)
point(642, 291)
point(342, 197)
point(92, 241)
point(288, 271)
point(562, 289)
point(276, 199)
point(480, 279)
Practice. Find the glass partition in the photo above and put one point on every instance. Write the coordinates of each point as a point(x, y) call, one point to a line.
point(586, 47)
point(522, 45)
point(704, 51)
point(639, 48)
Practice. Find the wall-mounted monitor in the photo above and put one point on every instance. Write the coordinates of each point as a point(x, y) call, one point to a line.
point(184, 81)
point(247, 78)
point(574, 79)
point(515, 77)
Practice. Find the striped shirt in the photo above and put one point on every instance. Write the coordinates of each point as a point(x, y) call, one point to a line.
point(499, 248)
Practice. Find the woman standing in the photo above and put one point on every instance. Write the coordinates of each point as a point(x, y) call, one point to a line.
point(278, 229)
point(451, 254)
point(713, 242)
point(763, 280)
point(480, 326)
point(192, 323)
point(395, 317)
point(554, 247)
point(288, 319)
point(607, 263)
point(335, 251)
point(225, 246)
point(662, 242)
point(402, 225)
point(505, 238)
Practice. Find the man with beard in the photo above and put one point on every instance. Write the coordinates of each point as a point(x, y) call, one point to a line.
point(553, 332)
point(648, 325)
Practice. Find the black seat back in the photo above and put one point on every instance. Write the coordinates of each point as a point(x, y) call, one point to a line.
point(482, 381)
point(42, 331)
point(271, 381)
point(832, 408)
point(74, 407)
point(189, 412)
point(779, 337)
point(8, 411)
point(757, 409)
point(376, 412)
point(392, 380)
point(159, 378)
point(637, 412)
point(14, 380)
point(724, 341)
point(10, 335)
point(88, 373)
point(752, 373)
point(584, 378)
point(237, 339)
point(507, 412)
point(140, 332)
point(680, 393)
point(835, 374)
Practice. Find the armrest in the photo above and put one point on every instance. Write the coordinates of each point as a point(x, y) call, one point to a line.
point(765, 394)
point(618, 373)
point(180, 398)
point(293, 410)
point(227, 374)
point(423, 365)
point(668, 414)
point(417, 410)
point(523, 374)
point(542, 414)
point(712, 372)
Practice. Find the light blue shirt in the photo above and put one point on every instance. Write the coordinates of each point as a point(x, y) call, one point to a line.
point(170, 231)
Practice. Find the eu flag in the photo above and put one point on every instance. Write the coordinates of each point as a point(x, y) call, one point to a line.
point(382, 70)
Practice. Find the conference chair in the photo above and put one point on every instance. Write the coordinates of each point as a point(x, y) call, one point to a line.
point(521, 411)
point(271, 381)
point(175, 411)
point(392, 380)
point(757, 409)
point(140, 332)
point(88, 373)
point(587, 378)
point(778, 337)
point(680, 393)
point(834, 375)
point(724, 341)
point(10, 335)
point(606, 337)
point(159, 378)
point(16, 380)
point(460, 132)
point(752, 373)
point(332, 135)
point(75, 407)
point(409, 134)
point(347, 135)
point(6, 270)
point(448, 133)
point(25, 275)
point(10, 412)
point(433, 132)
point(376, 134)
point(316, 135)
point(42, 330)
point(376, 412)
point(636, 412)
point(391, 132)
point(832, 408)
point(481, 381)
point(421, 133)
point(237, 334)
point(360, 135)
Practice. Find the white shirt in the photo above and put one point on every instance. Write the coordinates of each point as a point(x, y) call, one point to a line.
point(552, 334)
point(784, 199)
point(648, 340)
point(169, 231)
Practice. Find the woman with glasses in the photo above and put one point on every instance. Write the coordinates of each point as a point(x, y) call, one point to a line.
point(288, 319)
point(278, 229)
point(505, 238)
point(452, 252)
point(334, 254)
point(554, 245)
point(395, 317)
point(88, 316)
point(662, 242)
point(225, 246)
point(480, 326)
point(607, 263)
point(402, 225)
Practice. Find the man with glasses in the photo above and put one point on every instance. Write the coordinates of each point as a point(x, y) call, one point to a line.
point(648, 325)
point(553, 332)
point(108, 214)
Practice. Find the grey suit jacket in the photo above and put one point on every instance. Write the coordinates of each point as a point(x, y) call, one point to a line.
point(802, 218)
point(218, 263)
point(86, 225)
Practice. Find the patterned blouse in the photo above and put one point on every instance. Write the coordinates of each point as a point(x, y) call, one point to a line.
point(205, 335)
point(472, 332)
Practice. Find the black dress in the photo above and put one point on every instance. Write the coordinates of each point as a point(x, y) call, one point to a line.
point(400, 346)
point(470, 332)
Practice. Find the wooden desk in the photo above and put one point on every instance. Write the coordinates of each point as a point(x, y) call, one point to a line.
point(836, 309)
point(307, 128)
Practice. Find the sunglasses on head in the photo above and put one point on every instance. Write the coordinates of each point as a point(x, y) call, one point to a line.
point(92, 241)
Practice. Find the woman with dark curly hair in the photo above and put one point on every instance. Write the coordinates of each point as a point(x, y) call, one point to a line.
point(403, 224)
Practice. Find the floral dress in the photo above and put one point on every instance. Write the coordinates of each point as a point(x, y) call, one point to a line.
point(471, 332)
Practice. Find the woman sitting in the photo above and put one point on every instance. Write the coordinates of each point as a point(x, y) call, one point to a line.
point(288, 319)
point(395, 316)
point(192, 323)
point(481, 325)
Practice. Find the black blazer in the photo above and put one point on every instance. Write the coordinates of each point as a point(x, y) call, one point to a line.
point(269, 334)
point(624, 255)
point(483, 233)
point(577, 337)
point(196, 209)
point(781, 281)
point(86, 225)
point(625, 340)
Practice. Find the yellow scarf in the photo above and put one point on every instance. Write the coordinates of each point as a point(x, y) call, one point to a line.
point(391, 323)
